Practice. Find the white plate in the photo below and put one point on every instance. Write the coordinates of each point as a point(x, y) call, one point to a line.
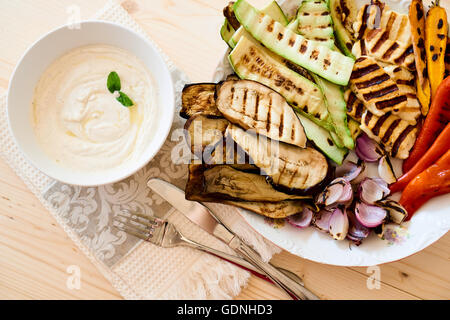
point(429, 224)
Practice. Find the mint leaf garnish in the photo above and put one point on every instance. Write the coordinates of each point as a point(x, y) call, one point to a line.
point(124, 100)
point(113, 82)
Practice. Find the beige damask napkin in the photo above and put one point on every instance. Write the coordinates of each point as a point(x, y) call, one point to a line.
point(138, 270)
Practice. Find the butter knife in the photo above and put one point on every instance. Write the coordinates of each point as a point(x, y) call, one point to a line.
point(205, 218)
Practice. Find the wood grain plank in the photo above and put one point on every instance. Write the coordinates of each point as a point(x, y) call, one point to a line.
point(424, 273)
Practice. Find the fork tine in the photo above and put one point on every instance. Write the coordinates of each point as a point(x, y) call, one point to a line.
point(138, 228)
point(130, 218)
point(132, 232)
point(148, 218)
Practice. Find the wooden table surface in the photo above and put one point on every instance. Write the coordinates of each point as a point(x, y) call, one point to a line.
point(35, 252)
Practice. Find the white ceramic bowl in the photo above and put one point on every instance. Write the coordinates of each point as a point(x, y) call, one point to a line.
point(53, 45)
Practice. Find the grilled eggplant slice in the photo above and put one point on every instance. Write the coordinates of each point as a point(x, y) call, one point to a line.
point(272, 210)
point(255, 106)
point(204, 132)
point(355, 108)
point(199, 98)
point(231, 154)
point(252, 61)
point(375, 88)
point(396, 135)
point(287, 166)
point(385, 35)
point(218, 183)
point(230, 16)
point(405, 81)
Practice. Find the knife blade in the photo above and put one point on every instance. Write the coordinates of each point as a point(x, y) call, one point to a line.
point(194, 211)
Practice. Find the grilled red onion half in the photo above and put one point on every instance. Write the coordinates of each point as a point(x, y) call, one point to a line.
point(367, 149)
point(385, 170)
point(350, 170)
point(370, 216)
point(338, 227)
point(372, 190)
point(301, 220)
point(356, 231)
point(339, 191)
point(322, 220)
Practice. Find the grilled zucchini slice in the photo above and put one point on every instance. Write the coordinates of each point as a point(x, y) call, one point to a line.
point(251, 61)
point(274, 11)
point(337, 109)
point(344, 38)
point(315, 22)
point(227, 31)
point(322, 139)
point(317, 58)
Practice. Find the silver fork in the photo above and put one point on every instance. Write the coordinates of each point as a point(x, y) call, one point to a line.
point(164, 234)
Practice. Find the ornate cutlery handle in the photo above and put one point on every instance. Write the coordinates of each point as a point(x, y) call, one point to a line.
point(240, 262)
point(287, 284)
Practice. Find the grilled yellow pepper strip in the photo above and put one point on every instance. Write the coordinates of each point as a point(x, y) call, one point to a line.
point(436, 29)
point(417, 21)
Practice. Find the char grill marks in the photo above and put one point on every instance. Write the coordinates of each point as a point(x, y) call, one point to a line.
point(405, 81)
point(396, 135)
point(375, 88)
point(274, 74)
point(355, 108)
point(385, 35)
point(254, 106)
point(285, 164)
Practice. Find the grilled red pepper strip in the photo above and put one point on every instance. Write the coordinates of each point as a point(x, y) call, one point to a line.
point(437, 150)
point(438, 117)
point(430, 183)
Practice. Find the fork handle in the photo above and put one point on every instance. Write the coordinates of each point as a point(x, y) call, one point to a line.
point(280, 279)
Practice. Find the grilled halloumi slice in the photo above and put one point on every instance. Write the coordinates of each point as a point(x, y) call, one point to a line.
point(375, 88)
point(405, 81)
point(355, 108)
point(396, 135)
point(385, 35)
point(252, 105)
point(285, 164)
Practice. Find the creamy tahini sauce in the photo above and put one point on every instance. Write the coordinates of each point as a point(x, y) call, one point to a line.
point(80, 124)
